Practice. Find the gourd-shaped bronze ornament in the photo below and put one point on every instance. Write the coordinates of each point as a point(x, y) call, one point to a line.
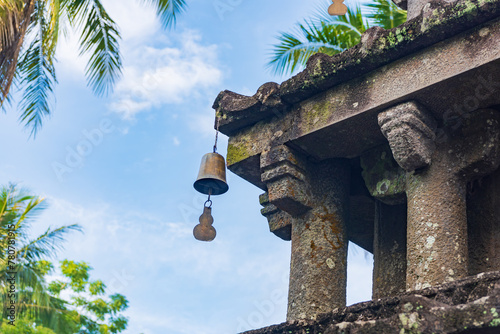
point(204, 231)
point(338, 8)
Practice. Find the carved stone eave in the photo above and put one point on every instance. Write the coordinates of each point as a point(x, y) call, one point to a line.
point(447, 78)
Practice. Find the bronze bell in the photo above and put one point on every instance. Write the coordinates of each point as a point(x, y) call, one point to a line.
point(212, 176)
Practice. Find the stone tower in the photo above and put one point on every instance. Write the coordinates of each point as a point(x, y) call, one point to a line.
point(394, 145)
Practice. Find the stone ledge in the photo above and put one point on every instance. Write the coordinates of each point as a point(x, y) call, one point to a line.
point(465, 306)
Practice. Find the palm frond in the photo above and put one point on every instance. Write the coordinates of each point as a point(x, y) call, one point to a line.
point(37, 73)
point(51, 37)
point(18, 207)
point(330, 35)
point(100, 38)
point(45, 245)
point(168, 10)
point(385, 13)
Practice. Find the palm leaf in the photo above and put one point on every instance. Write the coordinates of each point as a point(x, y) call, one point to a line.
point(168, 10)
point(45, 245)
point(36, 71)
point(385, 13)
point(330, 35)
point(100, 38)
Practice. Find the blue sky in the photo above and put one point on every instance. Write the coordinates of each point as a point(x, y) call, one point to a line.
point(132, 190)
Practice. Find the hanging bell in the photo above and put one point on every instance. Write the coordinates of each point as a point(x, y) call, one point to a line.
point(212, 176)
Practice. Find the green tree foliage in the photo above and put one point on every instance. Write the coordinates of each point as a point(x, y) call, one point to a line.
point(29, 34)
point(39, 306)
point(23, 326)
point(331, 34)
point(97, 313)
point(18, 210)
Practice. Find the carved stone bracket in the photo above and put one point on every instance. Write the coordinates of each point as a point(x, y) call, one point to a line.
point(284, 174)
point(410, 131)
point(280, 222)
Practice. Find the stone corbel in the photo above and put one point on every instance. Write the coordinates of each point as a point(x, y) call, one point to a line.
point(283, 172)
point(410, 131)
point(280, 222)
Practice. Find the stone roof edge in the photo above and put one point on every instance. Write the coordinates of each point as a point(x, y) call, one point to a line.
point(438, 21)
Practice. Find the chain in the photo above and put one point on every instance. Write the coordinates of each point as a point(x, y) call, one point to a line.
point(217, 122)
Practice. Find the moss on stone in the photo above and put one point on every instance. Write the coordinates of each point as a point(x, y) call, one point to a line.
point(237, 153)
point(383, 177)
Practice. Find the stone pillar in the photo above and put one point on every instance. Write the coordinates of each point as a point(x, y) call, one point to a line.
point(436, 179)
point(386, 181)
point(437, 228)
point(483, 215)
point(316, 196)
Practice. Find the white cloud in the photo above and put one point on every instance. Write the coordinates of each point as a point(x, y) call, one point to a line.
point(70, 63)
point(136, 20)
point(203, 123)
point(156, 76)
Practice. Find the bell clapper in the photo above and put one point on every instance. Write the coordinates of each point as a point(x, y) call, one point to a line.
point(211, 181)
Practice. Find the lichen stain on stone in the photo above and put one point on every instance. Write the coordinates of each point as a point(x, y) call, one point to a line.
point(320, 113)
point(313, 249)
point(236, 153)
point(330, 220)
point(330, 263)
point(430, 242)
point(409, 323)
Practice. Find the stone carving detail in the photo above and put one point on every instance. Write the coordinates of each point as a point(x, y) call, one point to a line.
point(410, 131)
point(280, 223)
point(284, 174)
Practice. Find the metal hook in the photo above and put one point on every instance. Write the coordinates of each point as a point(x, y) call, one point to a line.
point(208, 201)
